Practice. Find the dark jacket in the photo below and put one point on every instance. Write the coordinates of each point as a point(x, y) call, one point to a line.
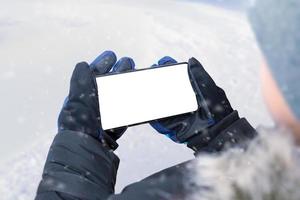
point(80, 167)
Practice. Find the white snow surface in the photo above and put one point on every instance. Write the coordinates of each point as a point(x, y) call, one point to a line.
point(41, 41)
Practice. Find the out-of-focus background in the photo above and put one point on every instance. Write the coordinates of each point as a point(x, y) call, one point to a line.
point(41, 41)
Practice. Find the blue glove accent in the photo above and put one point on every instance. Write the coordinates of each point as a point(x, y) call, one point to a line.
point(124, 64)
point(166, 60)
point(163, 130)
point(104, 62)
point(156, 125)
point(211, 122)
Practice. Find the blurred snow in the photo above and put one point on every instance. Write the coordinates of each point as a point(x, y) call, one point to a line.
point(41, 41)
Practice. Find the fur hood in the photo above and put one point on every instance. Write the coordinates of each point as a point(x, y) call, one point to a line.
point(268, 170)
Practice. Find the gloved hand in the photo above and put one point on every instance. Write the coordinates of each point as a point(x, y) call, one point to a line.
point(213, 107)
point(80, 111)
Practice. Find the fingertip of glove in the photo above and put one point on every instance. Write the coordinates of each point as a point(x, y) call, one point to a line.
point(124, 64)
point(104, 62)
point(81, 66)
point(81, 73)
point(108, 54)
point(193, 61)
point(130, 62)
point(194, 64)
point(111, 55)
point(166, 60)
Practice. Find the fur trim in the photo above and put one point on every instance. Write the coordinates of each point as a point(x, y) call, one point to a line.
point(268, 170)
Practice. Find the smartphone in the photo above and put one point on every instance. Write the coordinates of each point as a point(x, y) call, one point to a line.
point(143, 95)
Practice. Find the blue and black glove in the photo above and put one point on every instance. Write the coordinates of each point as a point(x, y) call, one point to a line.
point(210, 128)
point(80, 111)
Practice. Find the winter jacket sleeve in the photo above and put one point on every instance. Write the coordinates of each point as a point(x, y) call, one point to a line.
point(171, 183)
point(78, 167)
point(174, 182)
point(232, 131)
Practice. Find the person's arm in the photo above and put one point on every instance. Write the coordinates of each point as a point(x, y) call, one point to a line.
point(215, 125)
point(171, 183)
point(232, 131)
point(81, 163)
point(78, 167)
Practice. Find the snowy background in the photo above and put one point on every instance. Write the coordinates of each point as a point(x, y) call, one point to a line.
point(41, 41)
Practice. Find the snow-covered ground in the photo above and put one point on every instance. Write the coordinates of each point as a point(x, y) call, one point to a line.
point(41, 41)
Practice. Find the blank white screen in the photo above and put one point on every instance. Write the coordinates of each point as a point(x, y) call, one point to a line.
point(145, 95)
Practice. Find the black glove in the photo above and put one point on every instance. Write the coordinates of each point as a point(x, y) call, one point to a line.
point(80, 111)
point(200, 128)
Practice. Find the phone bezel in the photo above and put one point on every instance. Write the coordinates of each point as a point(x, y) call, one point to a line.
point(137, 70)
